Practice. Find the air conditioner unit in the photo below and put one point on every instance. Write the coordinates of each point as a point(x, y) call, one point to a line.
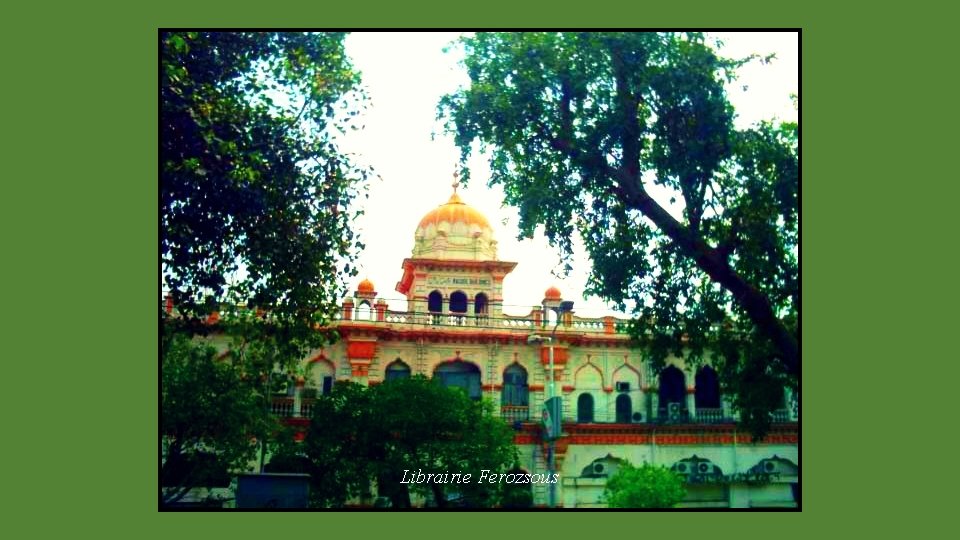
point(681, 468)
point(637, 417)
point(623, 387)
point(673, 412)
point(769, 467)
point(598, 468)
point(704, 468)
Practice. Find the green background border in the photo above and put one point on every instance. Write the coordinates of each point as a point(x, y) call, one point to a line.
point(83, 272)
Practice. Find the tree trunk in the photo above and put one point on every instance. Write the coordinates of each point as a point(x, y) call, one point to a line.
point(756, 305)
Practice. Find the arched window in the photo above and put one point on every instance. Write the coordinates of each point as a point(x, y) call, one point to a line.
point(397, 370)
point(480, 304)
point(585, 408)
point(459, 374)
point(320, 377)
point(458, 302)
point(515, 389)
point(707, 393)
point(435, 302)
point(672, 389)
point(624, 409)
point(364, 311)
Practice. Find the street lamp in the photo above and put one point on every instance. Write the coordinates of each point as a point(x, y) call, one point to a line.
point(552, 410)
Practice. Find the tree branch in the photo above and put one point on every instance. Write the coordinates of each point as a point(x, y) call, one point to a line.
point(711, 261)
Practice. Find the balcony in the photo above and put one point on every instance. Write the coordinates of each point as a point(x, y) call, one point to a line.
point(515, 413)
point(285, 407)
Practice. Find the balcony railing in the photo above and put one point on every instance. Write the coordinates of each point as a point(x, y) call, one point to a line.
point(515, 413)
point(782, 415)
point(711, 416)
point(285, 407)
point(282, 406)
point(485, 320)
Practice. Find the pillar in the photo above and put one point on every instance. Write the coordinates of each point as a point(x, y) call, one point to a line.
point(298, 395)
point(692, 403)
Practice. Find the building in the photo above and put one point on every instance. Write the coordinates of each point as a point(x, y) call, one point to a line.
point(613, 406)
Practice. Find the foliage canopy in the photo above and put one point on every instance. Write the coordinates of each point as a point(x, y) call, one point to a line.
point(210, 418)
point(646, 486)
point(583, 129)
point(253, 189)
point(361, 435)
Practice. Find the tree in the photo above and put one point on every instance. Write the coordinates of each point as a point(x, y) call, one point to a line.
point(584, 129)
point(210, 418)
point(647, 486)
point(254, 209)
point(358, 436)
point(254, 192)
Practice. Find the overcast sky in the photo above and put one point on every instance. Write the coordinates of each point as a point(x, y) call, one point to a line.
point(405, 74)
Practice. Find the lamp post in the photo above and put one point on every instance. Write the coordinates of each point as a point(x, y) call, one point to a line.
point(560, 309)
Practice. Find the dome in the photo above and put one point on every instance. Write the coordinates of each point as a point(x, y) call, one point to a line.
point(455, 211)
point(455, 231)
point(366, 286)
point(552, 293)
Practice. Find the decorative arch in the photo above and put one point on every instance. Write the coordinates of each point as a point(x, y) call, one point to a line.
point(398, 369)
point(596, 373)
point(627, 367)
point(364, 311)
point(775, 465)
point(602, 467)
point(695, 469)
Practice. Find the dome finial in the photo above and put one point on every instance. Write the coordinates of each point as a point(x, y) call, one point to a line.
point(456, 179)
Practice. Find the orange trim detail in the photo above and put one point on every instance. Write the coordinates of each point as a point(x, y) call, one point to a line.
point(361, 349)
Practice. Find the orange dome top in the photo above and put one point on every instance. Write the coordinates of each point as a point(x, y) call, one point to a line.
point(366, 286)
point(455, 210)
point(552, 293)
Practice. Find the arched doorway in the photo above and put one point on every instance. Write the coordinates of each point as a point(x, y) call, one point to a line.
point(585, 408)
point(624, 409)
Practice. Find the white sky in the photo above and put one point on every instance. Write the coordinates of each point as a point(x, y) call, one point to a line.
point(405, 74)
